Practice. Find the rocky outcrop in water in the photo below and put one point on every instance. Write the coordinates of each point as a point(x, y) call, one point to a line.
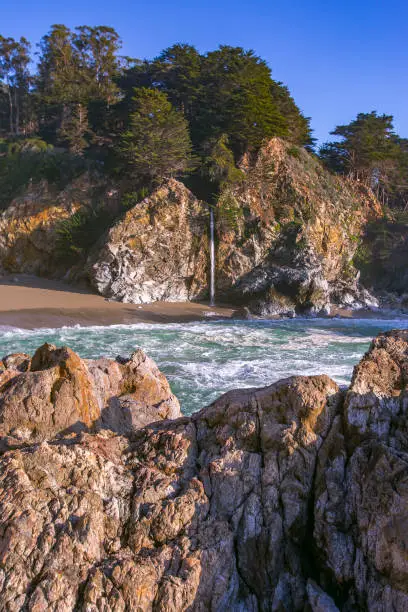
point(292, 497)
point(57, 392)
point(286, 238)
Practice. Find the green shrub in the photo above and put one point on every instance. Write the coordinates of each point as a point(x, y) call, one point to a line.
point(294, 152)
point(18, 170)
point(78, 233)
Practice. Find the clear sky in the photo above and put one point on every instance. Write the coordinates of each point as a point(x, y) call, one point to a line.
point(337, 57)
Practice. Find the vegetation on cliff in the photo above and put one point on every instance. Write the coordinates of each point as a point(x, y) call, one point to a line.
point(202, 118)
point(369, 151)
point(127, 116)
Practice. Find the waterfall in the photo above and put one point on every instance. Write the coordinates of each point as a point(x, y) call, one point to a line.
point(212, 258)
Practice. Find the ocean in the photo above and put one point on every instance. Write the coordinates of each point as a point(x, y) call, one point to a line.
point(203, 360)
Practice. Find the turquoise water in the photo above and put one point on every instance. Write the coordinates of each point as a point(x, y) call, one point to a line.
point(205, 359)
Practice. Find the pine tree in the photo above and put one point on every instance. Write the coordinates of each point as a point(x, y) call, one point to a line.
point(15, 82)
point(157, 144)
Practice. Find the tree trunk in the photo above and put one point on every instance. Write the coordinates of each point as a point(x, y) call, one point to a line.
point(17, 114)
point(11, 110)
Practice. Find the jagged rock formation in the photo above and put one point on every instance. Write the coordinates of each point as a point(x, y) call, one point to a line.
point(298, 228)
point(292, 497)
point(157, 251)
point(286, 240)
point(58, 392)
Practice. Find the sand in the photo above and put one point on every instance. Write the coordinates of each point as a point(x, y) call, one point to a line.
point(31, 302)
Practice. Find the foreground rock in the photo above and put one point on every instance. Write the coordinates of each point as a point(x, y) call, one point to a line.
point(292, 497)
point(361, 497)
point(57, 392)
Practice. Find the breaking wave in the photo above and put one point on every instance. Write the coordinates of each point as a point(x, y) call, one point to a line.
point(205, 359)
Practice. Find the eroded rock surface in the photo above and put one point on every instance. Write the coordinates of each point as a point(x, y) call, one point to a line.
point(56, 391)
point(361, 503)
point(285, 240)
point(157, 251)
point(29, 226)
point(291, 497)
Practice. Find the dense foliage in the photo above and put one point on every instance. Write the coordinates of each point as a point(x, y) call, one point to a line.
point(157, 142)
point(183, 113)
point(368, 150)
point(144, 120)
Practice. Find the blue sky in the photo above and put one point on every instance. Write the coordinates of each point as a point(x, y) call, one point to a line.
point(337, 57)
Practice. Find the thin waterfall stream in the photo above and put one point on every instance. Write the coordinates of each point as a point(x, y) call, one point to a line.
point(212, 257)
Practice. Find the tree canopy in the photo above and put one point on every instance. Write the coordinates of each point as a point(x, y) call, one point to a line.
point(156, 144)
point(368, 150)
point(148, 118)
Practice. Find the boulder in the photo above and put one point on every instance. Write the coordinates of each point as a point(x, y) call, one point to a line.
point(57, 392)
point(157, 252)
point(208, 512)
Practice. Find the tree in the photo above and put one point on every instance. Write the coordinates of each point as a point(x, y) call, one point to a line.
point(237, 100)
point(367, 149)
point(97, 48)
point(15, 81)
point(75, 69)
point(176, 72)
point(157, 144)
point(228, 91)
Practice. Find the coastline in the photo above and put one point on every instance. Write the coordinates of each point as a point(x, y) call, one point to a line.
point(30, 302)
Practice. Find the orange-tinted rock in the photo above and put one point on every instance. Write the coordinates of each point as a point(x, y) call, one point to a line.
point(286, 238)
point(61, 392)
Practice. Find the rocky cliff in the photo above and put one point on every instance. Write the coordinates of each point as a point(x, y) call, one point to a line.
point(286, 238)
point(291, 497)
point(157, 251)
point(29, 225)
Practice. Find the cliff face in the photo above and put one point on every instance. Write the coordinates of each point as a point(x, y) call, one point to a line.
point(286, 238)
point(157, 251)
point(29, 226)
point(292, 497)
point(296, 232)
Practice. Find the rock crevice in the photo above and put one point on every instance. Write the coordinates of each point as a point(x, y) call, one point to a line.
point(291, 497)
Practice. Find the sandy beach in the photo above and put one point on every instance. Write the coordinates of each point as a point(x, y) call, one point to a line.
point(31, 302)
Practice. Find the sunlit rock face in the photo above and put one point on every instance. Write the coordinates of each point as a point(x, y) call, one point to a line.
point(290, 497)
point(158, 251)
point(57, 392)
point(286, 237)
point(29, 226)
